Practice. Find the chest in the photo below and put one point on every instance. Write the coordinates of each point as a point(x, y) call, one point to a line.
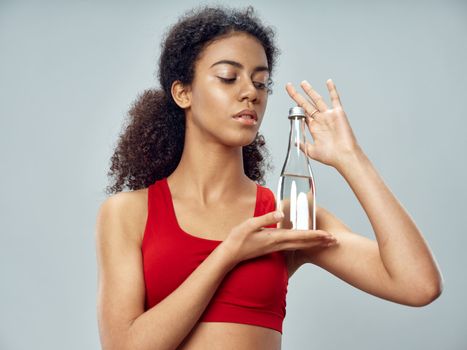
point(215, 222)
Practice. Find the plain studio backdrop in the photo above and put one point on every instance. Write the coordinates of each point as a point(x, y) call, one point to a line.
point(69, 72)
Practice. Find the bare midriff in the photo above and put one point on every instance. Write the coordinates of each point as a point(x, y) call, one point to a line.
point(231, 336)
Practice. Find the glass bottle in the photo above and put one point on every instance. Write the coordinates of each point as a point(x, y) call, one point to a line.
point(296, 196)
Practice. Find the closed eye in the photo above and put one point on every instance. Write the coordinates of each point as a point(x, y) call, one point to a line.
point(258, 85)
point(228, 80)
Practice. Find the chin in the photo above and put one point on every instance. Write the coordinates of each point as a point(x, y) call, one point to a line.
point(240, 140)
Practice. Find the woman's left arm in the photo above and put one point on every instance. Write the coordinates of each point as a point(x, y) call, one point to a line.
point(399, 265)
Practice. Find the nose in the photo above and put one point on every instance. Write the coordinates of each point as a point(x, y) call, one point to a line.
point(248, 91)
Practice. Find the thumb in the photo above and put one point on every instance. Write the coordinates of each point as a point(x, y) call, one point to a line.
point(270, 218)
point(307, 148)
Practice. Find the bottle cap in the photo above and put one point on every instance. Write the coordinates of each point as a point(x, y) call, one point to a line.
point(296, 111)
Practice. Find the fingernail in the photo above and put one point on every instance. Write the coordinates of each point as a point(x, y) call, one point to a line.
point(278, 215)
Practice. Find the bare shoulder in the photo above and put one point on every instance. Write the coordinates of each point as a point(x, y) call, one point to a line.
point(129, 209)
point(121, 286)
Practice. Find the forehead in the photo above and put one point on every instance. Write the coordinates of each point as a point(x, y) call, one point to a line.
point(240, 47)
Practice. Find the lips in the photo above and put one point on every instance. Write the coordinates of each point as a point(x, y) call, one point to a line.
point(245, 112)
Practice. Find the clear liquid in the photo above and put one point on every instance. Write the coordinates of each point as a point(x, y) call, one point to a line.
point(296, 199)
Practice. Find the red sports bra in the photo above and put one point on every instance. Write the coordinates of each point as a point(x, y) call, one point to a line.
point(253, 292)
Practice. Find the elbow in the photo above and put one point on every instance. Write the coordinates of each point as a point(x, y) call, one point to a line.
point(115, 344)
point(119, 340)
point(426, 294)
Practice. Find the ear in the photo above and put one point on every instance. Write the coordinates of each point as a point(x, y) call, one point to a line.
point(181, 94)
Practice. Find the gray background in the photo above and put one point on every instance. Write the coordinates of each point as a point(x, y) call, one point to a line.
point(68, 74)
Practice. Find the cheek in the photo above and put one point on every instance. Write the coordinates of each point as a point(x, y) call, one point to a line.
point(208, 102)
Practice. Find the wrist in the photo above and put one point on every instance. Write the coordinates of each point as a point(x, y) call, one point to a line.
point(351, 160)
point(225, 255)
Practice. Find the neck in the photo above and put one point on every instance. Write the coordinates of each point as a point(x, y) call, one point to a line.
point(209, 172)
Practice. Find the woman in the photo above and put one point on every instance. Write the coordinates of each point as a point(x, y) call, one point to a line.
point(183, 263)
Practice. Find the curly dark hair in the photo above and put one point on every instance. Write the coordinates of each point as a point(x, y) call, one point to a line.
point(151, 144)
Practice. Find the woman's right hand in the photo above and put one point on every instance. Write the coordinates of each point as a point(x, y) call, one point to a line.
point(251, 238)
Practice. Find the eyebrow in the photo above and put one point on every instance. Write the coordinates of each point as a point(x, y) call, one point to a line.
point(239, 65)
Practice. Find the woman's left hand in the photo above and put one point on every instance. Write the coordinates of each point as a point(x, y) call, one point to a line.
point(333, 137)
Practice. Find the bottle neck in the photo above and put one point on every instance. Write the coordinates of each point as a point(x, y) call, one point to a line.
point(296, 162)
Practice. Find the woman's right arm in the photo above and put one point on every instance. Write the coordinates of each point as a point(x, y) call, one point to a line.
point(123, 323)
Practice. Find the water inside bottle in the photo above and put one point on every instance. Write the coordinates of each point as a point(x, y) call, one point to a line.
point(296, 199)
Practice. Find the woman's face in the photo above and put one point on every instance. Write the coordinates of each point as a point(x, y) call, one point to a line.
point(231, 76)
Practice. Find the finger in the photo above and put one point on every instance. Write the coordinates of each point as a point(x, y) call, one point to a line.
point(324, 244)
point(333, 243)
point(316, 98)
point(307, 148)
point(310, 120)
point(257, 222)
point(311, 242)
point(316, 233)
point(319, 240)
point(283, 235)
point(335, 99)
point(300, 99)
point(286, 239)
point(288, 242)
point(307, 105)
